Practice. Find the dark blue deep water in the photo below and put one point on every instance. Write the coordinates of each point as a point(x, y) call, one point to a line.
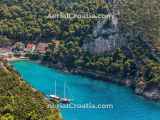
point(127, 106)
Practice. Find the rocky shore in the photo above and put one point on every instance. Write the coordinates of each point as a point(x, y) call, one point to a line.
point(150, 92)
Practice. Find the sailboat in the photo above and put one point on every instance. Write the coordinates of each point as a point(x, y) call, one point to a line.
point(65, 100)
point(54, 96)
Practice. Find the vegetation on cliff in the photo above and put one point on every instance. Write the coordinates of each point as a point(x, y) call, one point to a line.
point(18, 101)
point(141, 16)
point(71, 56)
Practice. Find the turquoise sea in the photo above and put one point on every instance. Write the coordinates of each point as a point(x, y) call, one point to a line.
point(126, 105)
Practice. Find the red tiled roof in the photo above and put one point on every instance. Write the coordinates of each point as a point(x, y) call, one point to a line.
point(42, 47)
point(30, 46)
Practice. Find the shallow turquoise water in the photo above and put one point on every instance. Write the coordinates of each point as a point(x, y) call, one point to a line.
point(127, 106)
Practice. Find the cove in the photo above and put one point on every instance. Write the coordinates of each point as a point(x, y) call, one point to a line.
point(127, 106)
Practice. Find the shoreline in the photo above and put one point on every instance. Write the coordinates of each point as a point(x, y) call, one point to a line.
point(32, 88)
point(17, 59)
point(152, 94)
point(140, 99)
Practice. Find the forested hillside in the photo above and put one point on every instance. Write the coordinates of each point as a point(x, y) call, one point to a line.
point(141, 16)
point(26, 20)
point(18, 101)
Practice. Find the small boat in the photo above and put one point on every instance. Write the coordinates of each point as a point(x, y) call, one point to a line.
point(65, 100)
point(54, 96)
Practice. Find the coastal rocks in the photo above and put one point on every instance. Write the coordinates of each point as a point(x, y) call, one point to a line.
point(139, 89)
point(152, 91)
point(152, 94)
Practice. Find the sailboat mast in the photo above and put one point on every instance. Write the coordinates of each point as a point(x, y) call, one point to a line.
point(50, 88)
point(64, 89)
point(55, 87)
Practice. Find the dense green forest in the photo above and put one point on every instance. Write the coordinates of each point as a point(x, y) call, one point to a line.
point(26, 20)
point(19, 102)
point(141, 16)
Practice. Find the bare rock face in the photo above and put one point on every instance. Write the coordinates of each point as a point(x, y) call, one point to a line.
point(106, 37)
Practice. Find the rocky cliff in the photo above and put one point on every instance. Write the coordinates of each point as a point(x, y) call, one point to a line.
point(106, 37)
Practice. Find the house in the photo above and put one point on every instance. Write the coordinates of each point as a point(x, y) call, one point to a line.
point(42, 48)
point(5, 53)
point(18, 46)
point(30, 47)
